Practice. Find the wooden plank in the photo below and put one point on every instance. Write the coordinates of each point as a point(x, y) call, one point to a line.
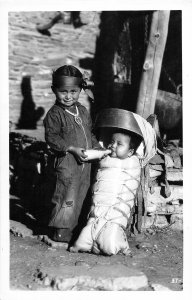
point(174, 174)
point(176, 194)
point(152, 65)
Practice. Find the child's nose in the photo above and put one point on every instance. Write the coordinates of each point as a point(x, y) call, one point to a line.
point(68, 95)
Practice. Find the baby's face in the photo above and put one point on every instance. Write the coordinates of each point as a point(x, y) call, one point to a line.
point(120, 146)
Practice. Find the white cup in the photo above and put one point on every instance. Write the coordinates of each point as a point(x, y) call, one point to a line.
point(96, 154)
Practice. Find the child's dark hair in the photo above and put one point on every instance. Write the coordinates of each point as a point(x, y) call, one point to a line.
point(66, 70)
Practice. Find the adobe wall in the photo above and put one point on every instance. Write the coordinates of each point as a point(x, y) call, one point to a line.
point(36, 55)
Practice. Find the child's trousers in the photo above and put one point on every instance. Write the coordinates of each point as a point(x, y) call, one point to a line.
point(71, 187)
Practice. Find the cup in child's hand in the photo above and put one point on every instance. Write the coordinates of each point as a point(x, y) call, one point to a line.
point(96, 154)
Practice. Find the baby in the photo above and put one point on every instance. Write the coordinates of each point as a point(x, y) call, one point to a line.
point(113, 197)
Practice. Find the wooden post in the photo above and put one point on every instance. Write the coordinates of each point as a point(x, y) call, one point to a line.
point(152, 65)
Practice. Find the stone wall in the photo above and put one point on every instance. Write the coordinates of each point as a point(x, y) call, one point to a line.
point(35, 55)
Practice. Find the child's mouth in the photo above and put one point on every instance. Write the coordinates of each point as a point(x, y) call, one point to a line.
point(68, 101)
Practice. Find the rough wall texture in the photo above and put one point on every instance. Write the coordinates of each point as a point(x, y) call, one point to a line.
point(35, 55)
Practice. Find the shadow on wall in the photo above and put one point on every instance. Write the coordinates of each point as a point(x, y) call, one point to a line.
point(29, 115)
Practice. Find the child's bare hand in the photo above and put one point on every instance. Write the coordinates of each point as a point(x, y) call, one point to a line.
point(78, 153)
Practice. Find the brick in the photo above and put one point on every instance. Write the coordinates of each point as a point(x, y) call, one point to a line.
point(19, 229)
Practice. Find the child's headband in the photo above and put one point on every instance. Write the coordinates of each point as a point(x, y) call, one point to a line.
point(83, 82)
point(66, 80)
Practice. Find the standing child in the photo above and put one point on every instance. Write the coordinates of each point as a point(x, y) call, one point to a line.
point(68, 133)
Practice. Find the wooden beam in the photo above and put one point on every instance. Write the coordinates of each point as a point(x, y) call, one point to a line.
point(176, 194)
point(152, 65)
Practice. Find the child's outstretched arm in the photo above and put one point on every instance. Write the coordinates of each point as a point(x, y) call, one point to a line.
point(53, 138)
point(78, 153)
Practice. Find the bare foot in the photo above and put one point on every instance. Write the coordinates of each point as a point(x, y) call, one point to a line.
point(127, 252)
point(74, 249)
point(51, 243)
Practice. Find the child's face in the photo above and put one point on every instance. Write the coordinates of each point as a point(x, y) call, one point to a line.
point(120, 146)
point(67, 95)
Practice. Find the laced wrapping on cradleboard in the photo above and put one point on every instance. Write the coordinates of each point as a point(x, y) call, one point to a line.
point(113, 198)
point(115, 190)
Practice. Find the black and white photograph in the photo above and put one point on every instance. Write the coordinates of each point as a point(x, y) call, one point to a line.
point(92, 148)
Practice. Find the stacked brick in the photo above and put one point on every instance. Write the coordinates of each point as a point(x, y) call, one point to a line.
point(165, 197)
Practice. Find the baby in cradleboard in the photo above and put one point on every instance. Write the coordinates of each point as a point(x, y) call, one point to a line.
point(114, 191)
point(113, 194)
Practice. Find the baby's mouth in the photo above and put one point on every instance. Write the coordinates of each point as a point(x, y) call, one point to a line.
point(113, 154)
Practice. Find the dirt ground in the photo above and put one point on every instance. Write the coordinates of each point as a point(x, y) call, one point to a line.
point(157, 254)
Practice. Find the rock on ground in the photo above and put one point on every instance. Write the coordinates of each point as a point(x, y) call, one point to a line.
point(98, 277)
point(159, 287)
point(19, 229)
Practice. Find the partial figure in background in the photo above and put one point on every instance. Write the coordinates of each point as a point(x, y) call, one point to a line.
point(72, 17)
